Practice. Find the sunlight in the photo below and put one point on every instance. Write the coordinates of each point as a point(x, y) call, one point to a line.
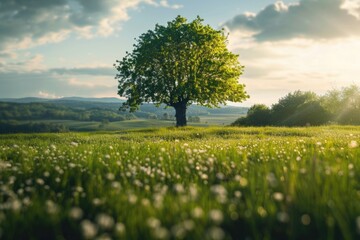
point(298, 64)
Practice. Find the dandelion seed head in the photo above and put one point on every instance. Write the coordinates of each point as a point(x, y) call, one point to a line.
point(16, 205)
point(243, 182)
point(40, 181)
point(261, 211)
point(197, 212)
point(110, 176)
point(305, 219)
point(216, 216)
point(76, 213)
point(216, 233)
point(153, 222)
point(97, 201)
point(353, 144)
point(51, 207)
point(282, 217)
point(132, 198)
point(161, 233)
point(105, 221)
point(89, 229)
point(278, 196)
point(179, 188)
point(120, 228)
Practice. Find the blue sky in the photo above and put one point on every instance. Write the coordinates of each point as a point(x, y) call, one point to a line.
point(67, 47)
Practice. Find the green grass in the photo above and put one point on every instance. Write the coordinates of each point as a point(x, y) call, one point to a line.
point(219, 119)
point(86, 126)
point(186, 183)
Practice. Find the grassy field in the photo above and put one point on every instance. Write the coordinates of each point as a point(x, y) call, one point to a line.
point(191, 183)
point(87, 126)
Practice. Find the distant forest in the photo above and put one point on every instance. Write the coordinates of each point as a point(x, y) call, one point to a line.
point(23, 115)
point(307, 109)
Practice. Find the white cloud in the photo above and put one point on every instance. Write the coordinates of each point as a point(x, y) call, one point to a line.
point(93, 82)
point(29, 23)
point(353, 7)
point(273, 69)
point(313, 45)
point(311, 19)
point(44, 94)
point(165, 3)
point(90, 71)
point(46, 84)
point(29, 63)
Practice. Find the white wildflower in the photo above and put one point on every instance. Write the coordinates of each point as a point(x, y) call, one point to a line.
point(278, 196)
point(216, 216)
point(89, 229)
point(76, 213)
point(353, 144)
point(105, 221)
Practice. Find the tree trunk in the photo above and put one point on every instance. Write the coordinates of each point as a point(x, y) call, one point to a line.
point(180, 114)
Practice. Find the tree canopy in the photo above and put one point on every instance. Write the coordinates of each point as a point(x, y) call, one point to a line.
point(180, 64)
point(306, 108)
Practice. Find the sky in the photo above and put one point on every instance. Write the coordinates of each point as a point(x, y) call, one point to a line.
point(63, 48)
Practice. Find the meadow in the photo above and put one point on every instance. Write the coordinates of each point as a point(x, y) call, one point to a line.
point(182, 183)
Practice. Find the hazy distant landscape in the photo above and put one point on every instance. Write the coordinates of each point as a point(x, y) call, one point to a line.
point(94, 114)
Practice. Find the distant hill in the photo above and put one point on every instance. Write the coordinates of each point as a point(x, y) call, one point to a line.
point(103, 100)
point(114, 104)
point(75, 113)
point(24, 100)
point(35, 99)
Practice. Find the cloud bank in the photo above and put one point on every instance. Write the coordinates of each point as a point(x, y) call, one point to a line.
point(312, 19)
point(24, 24)
point(312, 45)
point(93, 71)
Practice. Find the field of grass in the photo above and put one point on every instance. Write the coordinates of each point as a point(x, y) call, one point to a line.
point(219, 119)
point(189, 183)
point(88, 126)
point(111, 126)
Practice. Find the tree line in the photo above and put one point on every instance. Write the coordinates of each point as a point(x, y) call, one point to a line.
point(302, 108)
point(30, 127)
point(48, 111)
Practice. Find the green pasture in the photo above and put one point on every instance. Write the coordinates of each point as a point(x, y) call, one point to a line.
point(89, 126)
point(182, 183)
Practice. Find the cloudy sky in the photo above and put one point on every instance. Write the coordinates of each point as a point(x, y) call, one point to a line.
point(56, 48)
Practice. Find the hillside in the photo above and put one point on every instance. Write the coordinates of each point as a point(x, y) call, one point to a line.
point(25, 114)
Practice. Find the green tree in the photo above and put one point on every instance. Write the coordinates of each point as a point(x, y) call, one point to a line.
point(180, 64)
point(299, 109)
point(287, 106)
point(344, 105)
point(259, 115)
point(165, 116)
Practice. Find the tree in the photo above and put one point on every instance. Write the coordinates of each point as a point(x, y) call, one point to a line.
point(180, 64)
point(287, 106)
point(257, 115)
point(344, 105)
point(165, 116)
point(299, 109)
point(194, 119)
